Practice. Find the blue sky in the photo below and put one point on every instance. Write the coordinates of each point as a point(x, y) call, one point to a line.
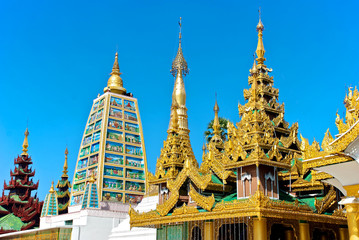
point(56, 56)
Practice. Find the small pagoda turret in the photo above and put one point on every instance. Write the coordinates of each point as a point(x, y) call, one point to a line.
point(63, 189)
point(19, 210)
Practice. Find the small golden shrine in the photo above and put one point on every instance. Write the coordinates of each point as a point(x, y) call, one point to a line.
point(253, 185)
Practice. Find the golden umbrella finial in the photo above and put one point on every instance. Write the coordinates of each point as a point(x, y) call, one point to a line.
point(260, 47)
point(25, 144)
point(65, 164)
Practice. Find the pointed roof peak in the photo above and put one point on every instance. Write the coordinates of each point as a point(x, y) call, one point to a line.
point(260, 46)
point(179, 64)
point(254, 69)
point(260, 26)
point(115, 83)
point(116, 67)
point(65, 164)
point(216, 125)
point(25, 144)
point(52, 187)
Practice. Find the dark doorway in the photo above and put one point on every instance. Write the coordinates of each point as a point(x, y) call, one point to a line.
point(196, 233)
point(320, 234)
point(281, 232)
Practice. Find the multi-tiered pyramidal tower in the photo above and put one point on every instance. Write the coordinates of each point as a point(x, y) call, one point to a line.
point(112, 147)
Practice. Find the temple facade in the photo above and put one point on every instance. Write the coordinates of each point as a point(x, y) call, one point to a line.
point(253, 185)
point(19, 210)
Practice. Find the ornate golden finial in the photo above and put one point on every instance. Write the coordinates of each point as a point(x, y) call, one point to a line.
point(203, 151)
point(52, 188)
point(254, 69)
point(216, 125)
point(92, 178)
point(25, 144)
point(115, 83)
point(65, 164)
point(179, 65)
point(260, 47)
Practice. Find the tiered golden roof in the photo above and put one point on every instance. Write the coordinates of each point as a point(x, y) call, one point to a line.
point(261, 138)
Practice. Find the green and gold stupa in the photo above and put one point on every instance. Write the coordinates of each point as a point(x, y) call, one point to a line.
point(112, 147)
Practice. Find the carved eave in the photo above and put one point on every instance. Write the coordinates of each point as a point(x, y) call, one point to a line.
point(205, 202)
point(343, 141)
point(213, 161)
point(189, 171)
point(328, 201)
point(302, 185)
point(256, 206)
point(266, 162)
point(326, 160)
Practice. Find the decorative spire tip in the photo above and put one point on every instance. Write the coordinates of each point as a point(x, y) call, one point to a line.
point(25, 144)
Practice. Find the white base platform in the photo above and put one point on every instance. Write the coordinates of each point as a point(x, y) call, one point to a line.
point(123, 230)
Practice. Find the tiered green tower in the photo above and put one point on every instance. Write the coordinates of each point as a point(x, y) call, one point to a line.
point(112, 147)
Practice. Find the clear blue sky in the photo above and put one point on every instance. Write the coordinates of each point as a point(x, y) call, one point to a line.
point(56, 56)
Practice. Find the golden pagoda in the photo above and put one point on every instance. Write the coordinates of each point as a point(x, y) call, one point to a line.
point(253, 185)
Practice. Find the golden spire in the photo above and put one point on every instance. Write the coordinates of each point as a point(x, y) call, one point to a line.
point(179, 70)
point(216, 125)
point(260, 47)
point(25, 144)
point(52, 188)
point(65, 164)
point(115, 83)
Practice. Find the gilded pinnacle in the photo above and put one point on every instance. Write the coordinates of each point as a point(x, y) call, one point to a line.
point(254, 69)
point(260, 47)
point(65, 164)
point(115, 83)
point(52, 188)
point(25, 144)
point(216, 125)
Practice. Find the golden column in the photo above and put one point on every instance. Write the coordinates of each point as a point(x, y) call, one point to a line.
point(353, 220)
point(259, 228)
point(304, 233)
point(343, 233)
point(208, 231)
point(289, 234)
point(351, 203)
